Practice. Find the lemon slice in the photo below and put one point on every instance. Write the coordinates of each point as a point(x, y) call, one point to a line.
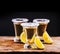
point(38, 43)
point(47, 38)
point(33, 38)
point(23, 37)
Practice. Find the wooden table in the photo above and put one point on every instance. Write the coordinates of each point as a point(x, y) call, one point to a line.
point(8, 45)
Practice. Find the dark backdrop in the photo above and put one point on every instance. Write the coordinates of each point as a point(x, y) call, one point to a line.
point(6, 25)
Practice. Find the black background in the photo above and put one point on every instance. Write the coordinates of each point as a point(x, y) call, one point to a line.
point(27, 10)
point(6, 25)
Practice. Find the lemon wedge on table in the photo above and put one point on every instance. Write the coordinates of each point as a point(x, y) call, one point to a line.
point(47, 38)
point(23, 37)
point(38, 43)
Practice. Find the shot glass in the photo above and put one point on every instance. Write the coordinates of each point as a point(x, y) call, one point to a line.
point(42, 25)
point(17, 27)
point(30, 30)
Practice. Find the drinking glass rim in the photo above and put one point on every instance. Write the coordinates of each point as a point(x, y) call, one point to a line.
point(41, 20)
point(19, 20)
point(29, 24)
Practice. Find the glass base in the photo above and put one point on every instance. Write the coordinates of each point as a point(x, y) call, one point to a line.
point(16, 39)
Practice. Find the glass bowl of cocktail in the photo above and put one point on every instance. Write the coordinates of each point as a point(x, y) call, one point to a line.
point(31, 31)
point(41, 30)
point(42, 25)
point(18, 28)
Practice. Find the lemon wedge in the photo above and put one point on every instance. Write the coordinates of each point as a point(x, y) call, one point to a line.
point(33, 38)
point(38, 43)
point(23, 37)
point(47, 38)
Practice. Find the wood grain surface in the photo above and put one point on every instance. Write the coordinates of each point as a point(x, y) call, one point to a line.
point(8, 45)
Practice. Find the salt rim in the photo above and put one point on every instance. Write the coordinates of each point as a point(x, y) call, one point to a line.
point(41, 20)
point(29, 24)
point(19, 20)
